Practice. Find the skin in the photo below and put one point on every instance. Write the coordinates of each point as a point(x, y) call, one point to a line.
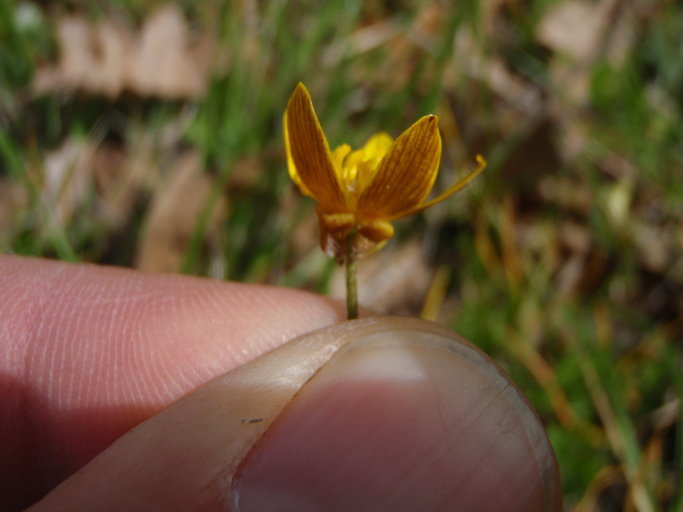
point(87, 353)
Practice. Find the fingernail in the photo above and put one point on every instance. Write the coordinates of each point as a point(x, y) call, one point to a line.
point(402, 419)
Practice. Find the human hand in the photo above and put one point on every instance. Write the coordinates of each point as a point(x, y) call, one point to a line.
point(226, 414)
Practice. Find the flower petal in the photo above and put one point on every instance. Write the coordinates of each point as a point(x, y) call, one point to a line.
point(456, 187)
point(377, 146)
point(406, 174)
point(372, 152)
point(311, 166)
point(291, 167)
point(358, 168)
point(338, 156)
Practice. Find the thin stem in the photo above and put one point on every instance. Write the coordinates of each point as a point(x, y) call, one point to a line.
point(351, 280)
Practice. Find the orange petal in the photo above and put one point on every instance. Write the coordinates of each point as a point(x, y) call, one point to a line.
point(457, 187)
point(406, 173)
point(307, 150)
point(291, 167)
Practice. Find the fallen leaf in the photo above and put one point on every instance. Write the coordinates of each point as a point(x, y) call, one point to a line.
point(121, 175)
point(579, 32)
point(14, 200)
point(66, 179)
point(574, 28)
point(163, 64)
point(176, 206)
point(109, 58)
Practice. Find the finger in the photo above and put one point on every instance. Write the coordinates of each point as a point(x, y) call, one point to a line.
point(376, 414)
point(88, 352)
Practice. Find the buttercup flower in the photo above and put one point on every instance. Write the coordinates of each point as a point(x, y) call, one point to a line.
point(360, 192)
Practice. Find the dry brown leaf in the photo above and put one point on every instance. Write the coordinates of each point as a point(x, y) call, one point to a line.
point(570, 273)
point(108, 58)
point(572, 194)
point(244, 174)
point(580, 31)
point(654, 245)
point(115, 48)
point(405, 48)
point(574, 28)
point(162, 64)
point(473, 62)
point(13, 200)
point(66, 178)
point(576, 237)
point(92, 58)
point(121, 175)
point(176, 205)
point(80, 171)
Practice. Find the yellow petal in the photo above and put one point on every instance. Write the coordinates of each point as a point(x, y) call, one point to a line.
point(372, 153)
point(406, 174)
point(377, 146)
point(339, 155)
point(307, 149)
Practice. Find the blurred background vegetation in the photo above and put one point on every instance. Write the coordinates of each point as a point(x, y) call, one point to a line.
point(147, 134)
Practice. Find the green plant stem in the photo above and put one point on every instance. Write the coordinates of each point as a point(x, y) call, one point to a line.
point(351, 279)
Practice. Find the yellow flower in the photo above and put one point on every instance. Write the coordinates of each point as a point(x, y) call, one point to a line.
point(360, 192)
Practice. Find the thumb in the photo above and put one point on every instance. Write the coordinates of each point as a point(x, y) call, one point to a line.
point(374, 414)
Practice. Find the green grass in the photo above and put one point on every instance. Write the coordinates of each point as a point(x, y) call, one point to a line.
point(565, 259)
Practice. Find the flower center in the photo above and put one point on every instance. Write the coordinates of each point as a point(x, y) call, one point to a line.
point(356, 169)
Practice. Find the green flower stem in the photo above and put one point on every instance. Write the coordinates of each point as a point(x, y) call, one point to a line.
point(351, 263)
